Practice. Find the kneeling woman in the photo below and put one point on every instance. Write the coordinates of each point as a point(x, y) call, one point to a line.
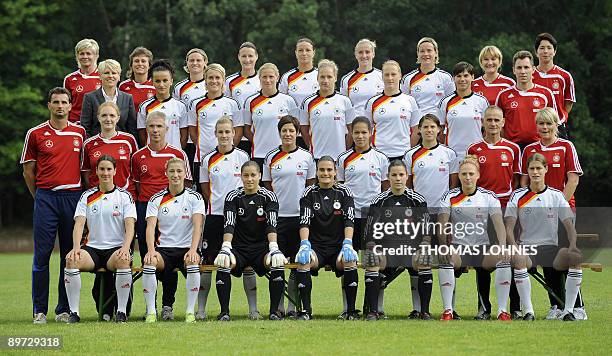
point(470, 205)
point(327, 215)
point(177, 212)
point(110, 214)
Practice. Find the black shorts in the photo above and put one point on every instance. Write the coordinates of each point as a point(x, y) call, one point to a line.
point(358, 233)
point(212, 238)
point(100, 257)
point(288, 232)
point(174, 257)
point(545, 256)
point(327, 256)
point(260, 162)
point(245, 145)
point(473, 260)
point(250, 256)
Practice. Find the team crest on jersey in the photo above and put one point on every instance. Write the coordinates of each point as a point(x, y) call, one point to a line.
point(504, 157)
point(293, 87)
point(79, 88)
point(408, 212)
point(259, 112)
point(555, 85)
point(76, 142)
point(260, 211)
point(121, 151)
point(48, 143)
point(97, 154)
point(514, 105)
point(317, 112)
point(536, 103)
point(356, 89)
point(165, 210)
point(337, 205)
point(382, 111)
point(95, 209)
point(186, 97)
point(351, 168)
point(316, 206)
point(116, 211)
point(388, 213)
point(215, 169)
point(240, 211)
point(417, 89)
point(421, 164)
point(556, 158)
point(453, 113)
point(203, 115)
point(282, 111)
point(144, 168)
point(483, 159)
point(278, 167)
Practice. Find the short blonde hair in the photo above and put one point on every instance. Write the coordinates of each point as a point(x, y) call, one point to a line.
point(470, 159)
point(111, 64)
point(367, 41)
point(224, 120)
point(326, 63)
point(491, 51)
point(214, 66)
point(192, 51)
point(391, 62)
point(86, 43)
point(550, 116)
point(174, 160)
point(433, 42)
point(112, 105)
point(156, 115)
point(270, 66)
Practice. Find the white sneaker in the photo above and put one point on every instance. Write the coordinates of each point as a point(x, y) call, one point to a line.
point(40, 318)
point(580, 314)
point(554, 313)
point(62, 317)
point(255, 315)
point(201, 315)
point(106, 317)
point(167, 313)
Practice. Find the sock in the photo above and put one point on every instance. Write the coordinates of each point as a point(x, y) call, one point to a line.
point(572, 287)
point(515, 300)
point(351, 281)
point(483, 286)
point(293, 293)
point(192, 287)
point(249, 282)
point(72, 281)
point(344, 302)
point(414, 291)
point(205, 282)
point(554, 279)
point(149, 287)
point(123, 284)
point(425, 284)
point(372, 289)
point(381, 301)
point(224, 288)
point(304, 286)
point(169, 281)
point(446, 275)
point(523, 285)
point(276, 287)
point(503, 278)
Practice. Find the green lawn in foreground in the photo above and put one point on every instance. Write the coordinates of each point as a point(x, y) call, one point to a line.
point(325, 335)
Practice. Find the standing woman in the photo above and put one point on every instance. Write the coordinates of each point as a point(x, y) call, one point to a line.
point(162, 74)
point(139, 84)
point(364, 82)
point(301, 81)
point(84, 79)
point(177, 212)
point(326, 114)
point(262, 111)
point(110, 72)
point(110, 214)
point(392, 114)
point(288, 169)
point(492, 81)
point(219, 175)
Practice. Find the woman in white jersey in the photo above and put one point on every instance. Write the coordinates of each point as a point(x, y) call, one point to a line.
point(262, 111)
point(110, 214)
point(325, 115)
point(538, 209)
point(162, 74)
point(301, 81)
point(288, 169)
point(364, 82)
point(177, 213)
point(392, 114)
point(219, 174)
point(470, 205)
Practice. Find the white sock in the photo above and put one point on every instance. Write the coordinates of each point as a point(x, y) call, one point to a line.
point(414, 289)
point(249, 281)
point(149, 287)
point(446, 276)
point(572, 287)
point(192, 287)
point(503, 279)
point(72, 281)
point(523, 285)
point(123, 284)
point(381, 301)
point(205, 281)
point(293, 292)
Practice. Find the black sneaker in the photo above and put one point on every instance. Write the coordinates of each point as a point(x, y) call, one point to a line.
point(73, 318)
point(483, 315)
point(381, 315)
point(424, 316)
point(456, 316)
point(275, 316)
point(569, 317)
point(292, 314)
point(529, 317)
point(304, 316)
point(120, 317)
point(414, 315)
point(372, 316)
point(343, 315)
point(516, 315)
point(223, 317)
point(354, 315)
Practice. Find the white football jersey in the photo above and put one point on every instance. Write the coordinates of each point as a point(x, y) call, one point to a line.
point(106, 214)
point(363, 173)
point(222, 173)
point(174, 216)
point(430, 170)
point(327, 118)
point(204, 114)
point(428, 88)
point(288, 172)
point(391, 118)
point(538, 214)
point(298, 84)
point(187, 91)
point(470, 210)
point(359, 87)
point(240, 88)
point(262, 113)
point(463, 120)
point(176, 117)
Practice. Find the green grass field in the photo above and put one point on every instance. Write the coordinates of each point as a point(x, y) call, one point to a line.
point(325, 335)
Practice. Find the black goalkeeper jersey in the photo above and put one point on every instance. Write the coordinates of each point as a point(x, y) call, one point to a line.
point(250, 217)
point(409, 206)
point(326, 212)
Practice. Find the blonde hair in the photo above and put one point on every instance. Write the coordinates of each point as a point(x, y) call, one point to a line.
point(86, 43)
point(214, 66)
point(224, 120)
point(192, 51)
point(550, 116)
point(174, 160)
point(270, 66)
point(491, 51)
point(111, 64)
point(392, 63)
point(326, 63)
point(367, 41)
point(156, 115)
point(433, 42)
point(470, 159)
point(537, 157)
point(112, 105)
